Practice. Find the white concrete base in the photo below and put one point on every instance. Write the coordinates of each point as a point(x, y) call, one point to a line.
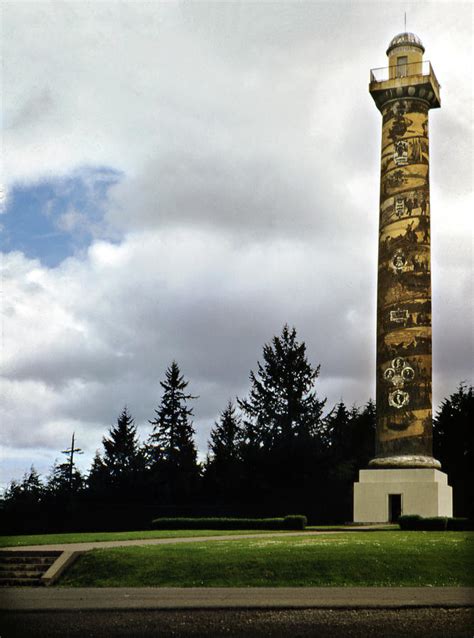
point(424, 491)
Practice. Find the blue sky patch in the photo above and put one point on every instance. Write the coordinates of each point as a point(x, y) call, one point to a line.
point(56, 218)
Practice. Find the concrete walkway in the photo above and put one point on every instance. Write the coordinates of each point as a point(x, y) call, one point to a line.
point(79, 598)
point(85, 547)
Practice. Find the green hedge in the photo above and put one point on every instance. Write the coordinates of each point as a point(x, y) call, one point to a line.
point(409, 522)
point(434, 523)
point(460, 524)
point(293, 522)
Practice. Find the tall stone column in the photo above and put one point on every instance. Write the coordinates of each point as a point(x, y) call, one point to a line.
point(404, 477)
point(404, 408)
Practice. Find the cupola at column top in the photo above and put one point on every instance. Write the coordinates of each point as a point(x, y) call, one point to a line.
point(407, 74)
point(405, 54)
point(406, 39)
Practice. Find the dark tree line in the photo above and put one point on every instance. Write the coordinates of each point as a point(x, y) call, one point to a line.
point(453, 445)
point(272, 453)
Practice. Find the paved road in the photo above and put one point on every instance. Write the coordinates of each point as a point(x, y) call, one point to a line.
point(90, 598)
point(282, 623)
point(332, 612)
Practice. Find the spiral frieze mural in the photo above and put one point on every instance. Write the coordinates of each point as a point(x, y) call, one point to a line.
point(404, 283)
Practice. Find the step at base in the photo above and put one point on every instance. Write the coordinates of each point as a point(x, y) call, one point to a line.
point(25, 568)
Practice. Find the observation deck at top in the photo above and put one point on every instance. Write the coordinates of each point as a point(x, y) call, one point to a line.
point(408, 80)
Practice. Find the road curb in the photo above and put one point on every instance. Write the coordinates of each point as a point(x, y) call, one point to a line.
point(175, 598)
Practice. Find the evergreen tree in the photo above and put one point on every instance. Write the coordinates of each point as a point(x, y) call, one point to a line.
point(363, 433)
point(349, 443)
point(282, 404)
point(453, 445)
point(97, 477)
point(28, 492)
point(171, 450)
point(122, 463)
point(350, 434)
point(225, 436)
point(282, 421)
point(336, 428)
point(223, 466)
point(63, 492)
point(62, 482)
point(22, 504)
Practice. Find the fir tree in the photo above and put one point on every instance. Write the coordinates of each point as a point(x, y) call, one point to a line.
point(349, 437)
point(349, 445)
point(282, 404)
point(23, 504)
point(453, 445)
point(282, 421)
point(63, 492)
point(27, 492)
point(342, 447)
point(336, 428)
point(171, 450)
point(223, 466)
point(226, 436)
point(97, 477)
point(123, 460)
point(63, 482)
point(363, 433)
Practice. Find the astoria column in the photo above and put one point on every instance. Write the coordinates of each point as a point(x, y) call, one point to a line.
point(403, 92)
point(403, 395)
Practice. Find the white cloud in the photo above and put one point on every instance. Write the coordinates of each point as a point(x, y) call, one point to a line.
point(249, 152)
point(3, 198)
point(93, 335)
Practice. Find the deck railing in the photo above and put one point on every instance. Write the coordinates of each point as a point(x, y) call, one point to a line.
point(397, 71)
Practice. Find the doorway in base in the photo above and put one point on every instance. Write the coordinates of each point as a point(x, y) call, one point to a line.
point(394, 507)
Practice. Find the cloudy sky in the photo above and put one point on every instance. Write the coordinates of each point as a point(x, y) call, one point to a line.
point(181, 179)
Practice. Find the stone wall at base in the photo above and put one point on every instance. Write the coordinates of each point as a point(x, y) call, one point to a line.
point(423, 491)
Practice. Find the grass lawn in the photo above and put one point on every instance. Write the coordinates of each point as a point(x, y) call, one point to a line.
point(348, 559)
point(87, 537)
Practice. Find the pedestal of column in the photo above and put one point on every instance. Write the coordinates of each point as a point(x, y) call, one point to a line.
point(383, 494)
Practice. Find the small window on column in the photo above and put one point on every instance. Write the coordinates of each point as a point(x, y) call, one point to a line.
point(402, 66)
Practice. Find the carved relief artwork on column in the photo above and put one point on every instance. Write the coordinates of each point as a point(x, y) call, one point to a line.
point(404, 282)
